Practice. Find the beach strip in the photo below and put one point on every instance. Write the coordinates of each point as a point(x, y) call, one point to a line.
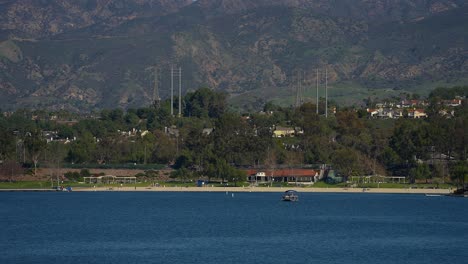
point(268, 189)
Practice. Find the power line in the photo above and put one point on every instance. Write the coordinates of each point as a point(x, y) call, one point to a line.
point(318, 81)
point(178, 73)
point(156, 98)
point(326, 92)
point(172, 90)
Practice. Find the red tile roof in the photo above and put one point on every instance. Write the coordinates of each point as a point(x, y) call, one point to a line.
point(284, 172)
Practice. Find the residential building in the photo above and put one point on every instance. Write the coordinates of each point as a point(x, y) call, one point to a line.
point(292, 175)
point(283, 132)
point(416, 113)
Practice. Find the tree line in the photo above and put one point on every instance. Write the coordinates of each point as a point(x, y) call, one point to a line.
point(210, 140)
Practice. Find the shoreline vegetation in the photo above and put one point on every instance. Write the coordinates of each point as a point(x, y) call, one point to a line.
point(283, 146)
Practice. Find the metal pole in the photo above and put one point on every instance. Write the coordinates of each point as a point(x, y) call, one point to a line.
point(177, 144)
point(326, 93)
point(180, 91)
point(172, 90)
point(317, 106)
point(156, 98)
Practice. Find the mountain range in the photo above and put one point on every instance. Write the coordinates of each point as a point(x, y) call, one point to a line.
point(84, 55)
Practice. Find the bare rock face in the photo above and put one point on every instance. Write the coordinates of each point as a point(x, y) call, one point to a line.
point(364, 9)
point(82, 54)
point(42, 18)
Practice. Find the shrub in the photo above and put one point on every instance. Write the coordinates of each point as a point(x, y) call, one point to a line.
point(85, 173)
point(73, 176)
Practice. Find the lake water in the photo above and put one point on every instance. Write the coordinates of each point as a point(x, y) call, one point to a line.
point(153, 227)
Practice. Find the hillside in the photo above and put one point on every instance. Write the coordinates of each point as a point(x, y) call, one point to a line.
point(90, 54)
point(42, 18)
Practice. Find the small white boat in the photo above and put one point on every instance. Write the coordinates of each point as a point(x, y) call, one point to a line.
point(432, 195)
point(290, 196)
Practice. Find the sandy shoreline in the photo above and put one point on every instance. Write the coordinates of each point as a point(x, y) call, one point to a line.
point(267, 189)
point(245, 189)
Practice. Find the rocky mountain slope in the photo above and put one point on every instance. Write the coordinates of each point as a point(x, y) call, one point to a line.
point(90, 54)
point(43, 18)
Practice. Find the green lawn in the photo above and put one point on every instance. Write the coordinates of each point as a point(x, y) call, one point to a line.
point(406, 185)
point(25, 185)
point(47, 185)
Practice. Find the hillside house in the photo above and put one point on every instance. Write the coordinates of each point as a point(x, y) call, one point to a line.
point(171, 131)
point(372, 112)
point(454, 102)
point(383, 113)
point(397, 113)
point(446, 113)
point(416, 113)
point(412, 103)
point(283, 132)
point(298, 131)
point(207, 131)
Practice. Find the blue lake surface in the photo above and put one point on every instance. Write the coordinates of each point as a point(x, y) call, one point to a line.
point(154, 227)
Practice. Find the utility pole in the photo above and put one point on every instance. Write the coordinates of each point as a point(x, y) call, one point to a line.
point(172, 90)
point(180, 91)
point(144, 162)
point(294, 81)
point(299, 88)
point(317, 106)
point(178, 73)
point(156, 98)
point(302, 85)
point(326, 92)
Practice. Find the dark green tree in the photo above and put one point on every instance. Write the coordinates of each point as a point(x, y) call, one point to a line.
point(346, 161)
point(163, 149)
point(459, 174)
point(82, 150)
point(420, 172)
point(205, 103)
point(11, 169)
point(410, 141)
point(35, 144)
point(7, 144)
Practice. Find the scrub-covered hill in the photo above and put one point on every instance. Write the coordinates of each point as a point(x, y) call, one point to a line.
point(91, 54)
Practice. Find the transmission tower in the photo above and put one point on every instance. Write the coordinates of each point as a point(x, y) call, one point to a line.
point(317, 96)
point(177, 73)
point(299, 88)
point(326, 92)
point(156, 98)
